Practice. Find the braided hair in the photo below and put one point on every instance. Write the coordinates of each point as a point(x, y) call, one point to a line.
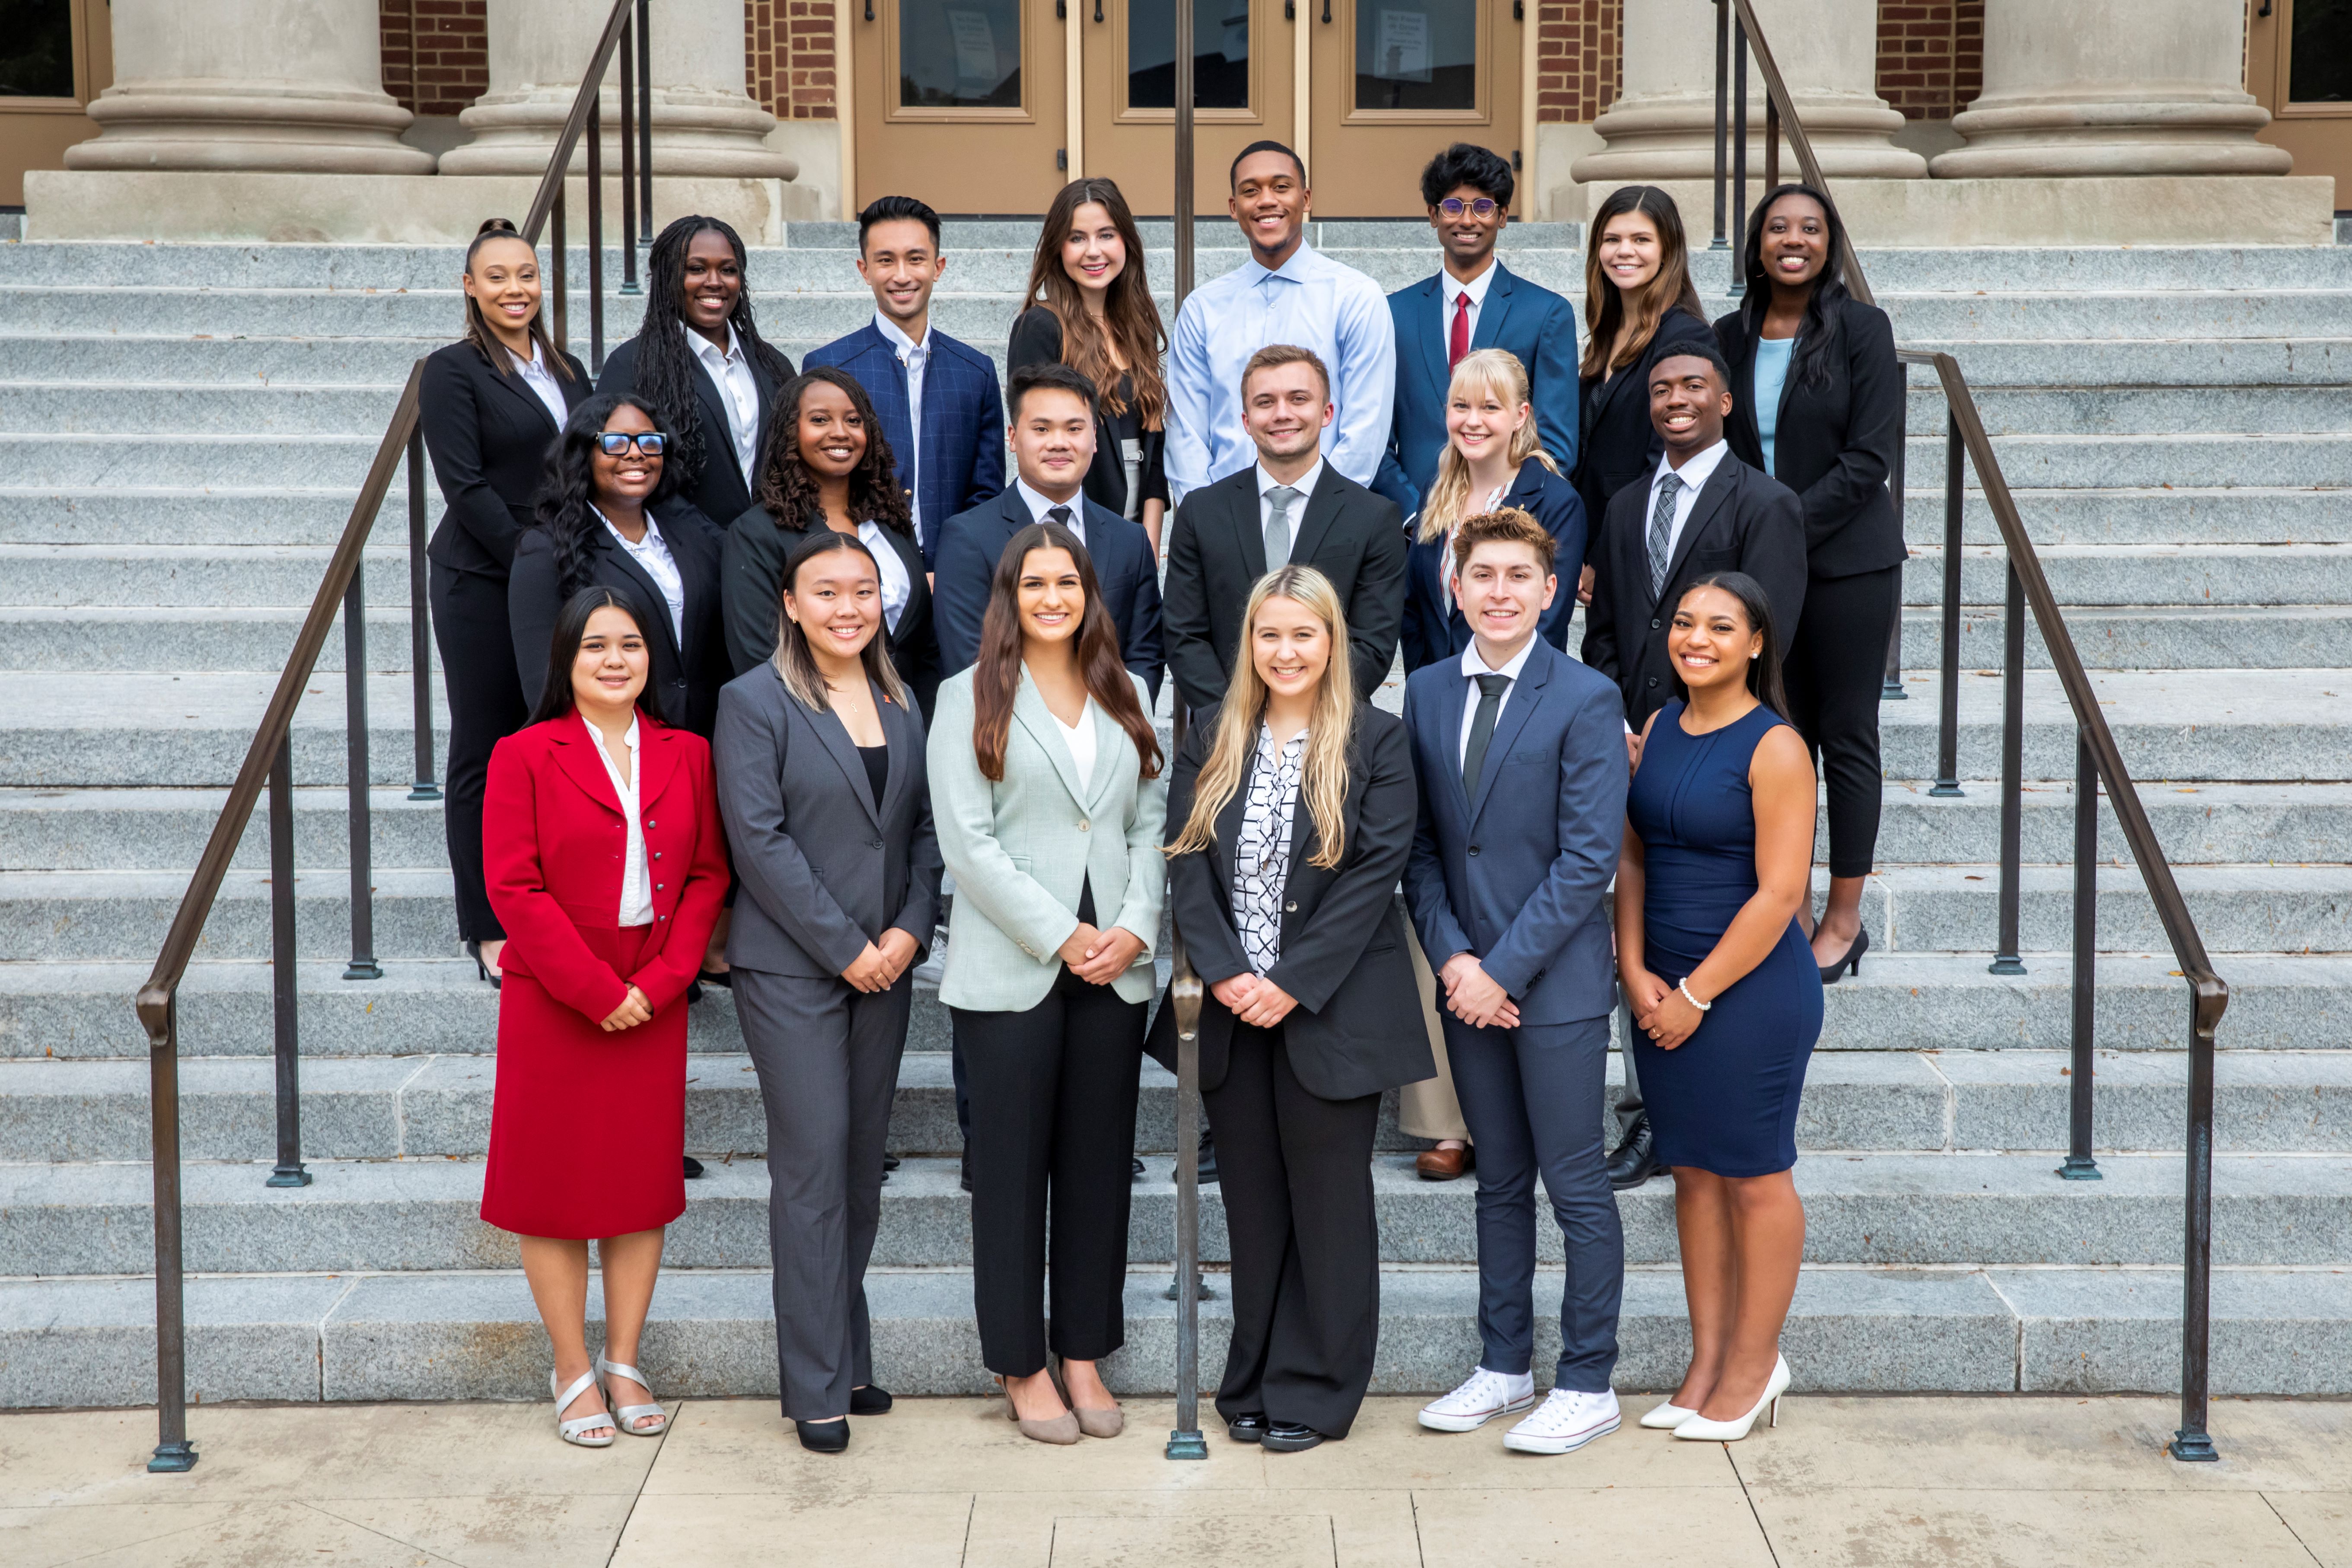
point(789, 492)
point(567, 494)
point(666, 363)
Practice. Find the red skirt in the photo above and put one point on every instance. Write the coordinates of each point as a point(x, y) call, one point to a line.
point(587, 1128)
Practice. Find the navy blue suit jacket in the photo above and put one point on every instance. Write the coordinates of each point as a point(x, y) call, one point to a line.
point(1125, 572)
point(1432, 634)
point(1528, 319)
point(1517, 873)
point(964, 421)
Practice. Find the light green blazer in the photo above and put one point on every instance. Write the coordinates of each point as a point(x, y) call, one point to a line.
point(1021, 848)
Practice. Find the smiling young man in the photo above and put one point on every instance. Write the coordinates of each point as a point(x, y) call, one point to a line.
point(937, 396)
point(1287, 292)
point(1520, 755)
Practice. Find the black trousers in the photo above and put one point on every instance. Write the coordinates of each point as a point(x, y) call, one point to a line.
point(1053, 1117)
point(486, 705)
point(1298, 1190)
point(1835, 668)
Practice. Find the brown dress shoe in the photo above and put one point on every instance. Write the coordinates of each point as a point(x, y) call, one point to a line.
point(1442, 1164)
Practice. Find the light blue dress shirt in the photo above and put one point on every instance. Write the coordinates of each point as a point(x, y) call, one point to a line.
point(1310, 300)
point(1771, 372)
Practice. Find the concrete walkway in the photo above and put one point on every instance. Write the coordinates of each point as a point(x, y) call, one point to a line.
point(1952, 1483)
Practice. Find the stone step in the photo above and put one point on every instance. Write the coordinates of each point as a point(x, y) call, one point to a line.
point(2136, 516)
point(142, 829)
point(2090, 462)
point(2141, 575)
point(139, 517)
point(2096, 409)
point(2268, 637)
point(95, 407)
point(161, 460)
point(96, 638)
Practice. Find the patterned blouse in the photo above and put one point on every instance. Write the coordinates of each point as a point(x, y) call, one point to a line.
point(1262, 853)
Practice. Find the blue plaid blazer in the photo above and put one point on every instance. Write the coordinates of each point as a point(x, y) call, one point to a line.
point(964, 421)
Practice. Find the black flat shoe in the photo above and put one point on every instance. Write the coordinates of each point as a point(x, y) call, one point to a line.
point(1851, 961)
point(722, 978)
point(474, 952)
point(693, 1169)
point(1289, 1437)
point(1635, 1160)
point(1134, 1168)
point(1247, 1429)
point(823, 1437)
point(889, 1161)
point(966, 1181)
point(1208, 1158)
point(869, 1401)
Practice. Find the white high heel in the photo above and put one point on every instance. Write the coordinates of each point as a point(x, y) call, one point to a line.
point(574, 1430)
point(630, 1414)
point(1666, 1417)
point(1699, 1429)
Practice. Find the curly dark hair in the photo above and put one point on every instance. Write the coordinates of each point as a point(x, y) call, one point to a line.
point(566, 509)
point(788, 491)
point(666, 364)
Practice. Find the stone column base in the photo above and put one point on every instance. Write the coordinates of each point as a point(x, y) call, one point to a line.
point(697, 132)
point(209, 124)
point(1660, 139)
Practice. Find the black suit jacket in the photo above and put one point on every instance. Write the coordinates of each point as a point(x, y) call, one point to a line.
point(1358, 1027)
point(721, 492)
point(970, 544)
point(1834, 443)
point(488, 435)
point(686, 680)
point(1620, 445)
point(1216, 553)
point(1038, 340)
point(751, 594)
point(1742, 520)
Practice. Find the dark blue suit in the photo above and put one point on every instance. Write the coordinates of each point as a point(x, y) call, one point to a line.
point(1517, 873)
point(1432, 632)
point(1528, 319)
point(972, 542)
point(964, 421)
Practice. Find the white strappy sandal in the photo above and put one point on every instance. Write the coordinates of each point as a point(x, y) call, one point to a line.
point(574, 1430)
point(631, 1414)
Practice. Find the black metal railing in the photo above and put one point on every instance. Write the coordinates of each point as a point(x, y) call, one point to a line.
point(269, 761)
point(2098, 761)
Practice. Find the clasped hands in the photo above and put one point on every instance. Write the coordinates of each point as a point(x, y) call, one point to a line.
point(1476, 997)
point(1659, 1011)
point(634, 1009)
point(1100, 957)
point(878, 967)
point(1253, 999)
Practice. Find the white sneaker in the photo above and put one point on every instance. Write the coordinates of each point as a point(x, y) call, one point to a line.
point(1483, 1396)
point(1567, 1422)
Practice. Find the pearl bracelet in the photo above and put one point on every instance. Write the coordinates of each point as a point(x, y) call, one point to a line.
point(1683, 986)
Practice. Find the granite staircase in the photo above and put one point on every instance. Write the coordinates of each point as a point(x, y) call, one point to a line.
point(182, 428)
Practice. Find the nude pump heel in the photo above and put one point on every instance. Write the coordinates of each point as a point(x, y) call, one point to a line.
point(1062, 1430)
point(1093, 1423)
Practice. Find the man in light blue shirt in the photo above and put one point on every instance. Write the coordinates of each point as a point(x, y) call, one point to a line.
point(1287, 292)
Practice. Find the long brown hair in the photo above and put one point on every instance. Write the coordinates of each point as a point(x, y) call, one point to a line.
point(795, 662)
point(1127, 307)
point(787, 491)
point(477, 327)
point(1604, 302)
point(996, 673)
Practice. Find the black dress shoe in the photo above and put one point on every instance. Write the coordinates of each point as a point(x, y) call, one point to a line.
point(722, 978)
point(1247, 1429)
point(1135, 1167)
point(1289, 1437)
point(1208, 1158)
point(1635, 1161)
point(967, 1167)
point(693, 1169)
point(869, 1401)
point(823, 1437)
point(889, 1161)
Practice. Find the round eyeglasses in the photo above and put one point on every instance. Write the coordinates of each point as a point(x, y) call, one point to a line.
point(648, 443)
point(1455, 206)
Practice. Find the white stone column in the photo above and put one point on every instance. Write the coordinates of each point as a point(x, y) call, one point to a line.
point(2113, 87)
point(275, 85)
point(703, 121)
point(1662, 126)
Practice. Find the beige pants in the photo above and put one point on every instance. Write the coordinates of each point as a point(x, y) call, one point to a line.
point(1428, 1109)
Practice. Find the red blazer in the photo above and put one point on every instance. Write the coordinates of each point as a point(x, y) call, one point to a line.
point(553, 845)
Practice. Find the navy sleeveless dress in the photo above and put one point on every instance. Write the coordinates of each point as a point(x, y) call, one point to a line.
point(1724, 1100)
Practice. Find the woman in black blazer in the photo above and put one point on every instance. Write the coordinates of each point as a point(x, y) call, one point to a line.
point(697, 332)
point(827, 466)
point(1818, 404)
point(1290, 814)
point(491, 404)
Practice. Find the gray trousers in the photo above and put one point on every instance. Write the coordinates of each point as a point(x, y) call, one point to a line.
point(1629, 1101)
point(827, 1057)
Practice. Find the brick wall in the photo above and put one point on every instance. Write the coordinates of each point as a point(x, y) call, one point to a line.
point(445, 64)
point(1576, 70)
point(788, 49)
point(1930, 56)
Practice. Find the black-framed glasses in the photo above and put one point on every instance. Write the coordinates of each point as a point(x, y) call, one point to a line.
point(648, 443)
point(1455, 206)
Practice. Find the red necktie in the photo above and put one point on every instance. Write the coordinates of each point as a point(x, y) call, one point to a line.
point(1459, 343)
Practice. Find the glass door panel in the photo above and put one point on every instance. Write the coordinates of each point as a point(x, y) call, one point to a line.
point(1241, 93)
point(1417, 54)
point(960, 103)
point(1395, 81)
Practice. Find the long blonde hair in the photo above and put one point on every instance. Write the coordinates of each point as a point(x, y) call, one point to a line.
point(1330, 726)
point(1497, 370)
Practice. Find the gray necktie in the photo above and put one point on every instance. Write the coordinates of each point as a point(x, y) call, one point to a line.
point(1482, 729)
point(1662, 533)
point(1277, 527)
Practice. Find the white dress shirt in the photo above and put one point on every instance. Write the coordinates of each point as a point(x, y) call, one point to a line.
point(737, 389)
point(1081, 741)
point(915, 357)
point(652, 552)
point(1310, 300)
point(1039, 503)
point(1473, 665)
point(1453, 290)
point(1693, 474)
point(636, 875)
point(1304, 485)
point(541, 380)
point(897, 585)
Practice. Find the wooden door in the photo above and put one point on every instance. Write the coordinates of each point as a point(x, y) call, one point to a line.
point(1395, 81)
point(56, 55)
point(2299, 65)
point(960, 103)
point(1242, 93)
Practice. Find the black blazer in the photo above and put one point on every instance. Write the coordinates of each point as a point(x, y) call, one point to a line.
point(488, 435)
point(1742, 520)
point(1834, 443)
point(1358, 1027)
point(686, 679)
point(970, 544)
point(1038, 340)
point(751, 593)
point(1216, 553)
point(1620, 445)
point(721, 492)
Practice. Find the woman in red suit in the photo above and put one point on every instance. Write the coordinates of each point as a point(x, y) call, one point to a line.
point(606, 864)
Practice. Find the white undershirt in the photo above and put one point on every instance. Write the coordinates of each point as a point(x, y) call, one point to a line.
point(897, 586)
point(652, 552)
point(1696, 471)
point(541, 380)
point(636, 878)
point(730, 371)
point(1081, 741)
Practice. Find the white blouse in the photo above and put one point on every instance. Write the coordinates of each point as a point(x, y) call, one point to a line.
point(636, 876)
point(1081, 741)
point(898, 586)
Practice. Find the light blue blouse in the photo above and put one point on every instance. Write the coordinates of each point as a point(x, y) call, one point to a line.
point(1771, 371)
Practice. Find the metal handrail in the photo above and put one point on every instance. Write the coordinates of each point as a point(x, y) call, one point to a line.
point(2098, 761)
point(269, 761)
